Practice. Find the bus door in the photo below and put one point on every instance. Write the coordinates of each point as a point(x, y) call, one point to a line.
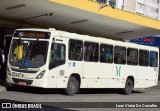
point(57, 61)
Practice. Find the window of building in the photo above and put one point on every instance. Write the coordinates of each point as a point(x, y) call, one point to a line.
point(132, 56)
point(91, 51)
point(143, 58)
point(119, 55)
point(106, 53)
point(75, 50)
point(140, 5)
point(153, 59)
point(157, 10)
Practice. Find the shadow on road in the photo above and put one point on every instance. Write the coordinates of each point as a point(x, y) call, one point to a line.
point(34, 90)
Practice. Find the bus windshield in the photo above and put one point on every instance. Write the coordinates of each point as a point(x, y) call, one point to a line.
point(28, 53)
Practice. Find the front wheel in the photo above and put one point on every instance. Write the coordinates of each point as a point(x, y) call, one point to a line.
point(72, 86)
point(9, 87)
point(128, 87)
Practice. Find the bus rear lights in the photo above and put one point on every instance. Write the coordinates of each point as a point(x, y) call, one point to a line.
point(40, 75)
point(52, 76)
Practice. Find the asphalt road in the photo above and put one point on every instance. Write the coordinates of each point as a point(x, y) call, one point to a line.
point(86, 98)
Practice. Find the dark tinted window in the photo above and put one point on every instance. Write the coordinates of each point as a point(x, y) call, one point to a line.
point(106, 53)
point(132, 56)
point(91, 52)
point(153, 59)
point(119, 55)
point(57, 55)
point(143, 58)
point(75, 50)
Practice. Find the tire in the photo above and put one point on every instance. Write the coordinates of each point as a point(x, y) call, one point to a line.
point(72, 86)
point(9, 87)
point(128, 87)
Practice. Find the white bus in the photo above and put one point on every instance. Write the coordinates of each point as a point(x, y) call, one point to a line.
point(50, 58)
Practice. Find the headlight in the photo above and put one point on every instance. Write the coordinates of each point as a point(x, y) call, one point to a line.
point(40, 75)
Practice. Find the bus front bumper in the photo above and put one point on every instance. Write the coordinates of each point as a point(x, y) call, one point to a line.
point(27, 82)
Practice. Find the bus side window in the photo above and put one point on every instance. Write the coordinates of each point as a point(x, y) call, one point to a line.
point(143, 58)
point(153, 59)
point(57, 55)
point(75, 50)
point(119, 55)
point(132, 56)
point(91, 52)
point(106, 53)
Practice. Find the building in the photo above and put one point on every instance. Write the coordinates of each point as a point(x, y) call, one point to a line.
point(148, 8)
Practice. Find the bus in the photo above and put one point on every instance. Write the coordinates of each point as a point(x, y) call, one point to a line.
point(49, 58)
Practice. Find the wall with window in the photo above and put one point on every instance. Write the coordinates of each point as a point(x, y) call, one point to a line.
point(149, 8)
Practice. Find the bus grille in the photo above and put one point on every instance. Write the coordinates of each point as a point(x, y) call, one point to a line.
point(28, 82)
point(24, 71)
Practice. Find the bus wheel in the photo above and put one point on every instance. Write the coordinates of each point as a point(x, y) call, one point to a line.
point(9, 87)
point(73, 86)
point(128, 87)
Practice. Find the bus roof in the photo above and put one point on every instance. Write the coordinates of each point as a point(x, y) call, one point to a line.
point(60, 33)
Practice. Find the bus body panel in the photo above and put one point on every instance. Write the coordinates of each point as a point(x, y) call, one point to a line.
point(98, 75)
point(92, 74)
point(147, 77)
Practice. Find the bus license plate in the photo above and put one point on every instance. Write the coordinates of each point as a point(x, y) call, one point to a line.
point(22, 83)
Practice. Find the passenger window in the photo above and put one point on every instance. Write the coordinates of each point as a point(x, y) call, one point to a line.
point(76, 50)
point(143, 58)
point(106, 53)
point(153, 59)
point(91, 52)
point(132, 56)
point(119, 55)
point(57, 55)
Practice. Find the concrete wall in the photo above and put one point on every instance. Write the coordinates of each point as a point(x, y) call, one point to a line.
point(130, 5)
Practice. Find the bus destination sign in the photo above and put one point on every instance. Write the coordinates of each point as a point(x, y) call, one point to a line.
point(32, 34)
